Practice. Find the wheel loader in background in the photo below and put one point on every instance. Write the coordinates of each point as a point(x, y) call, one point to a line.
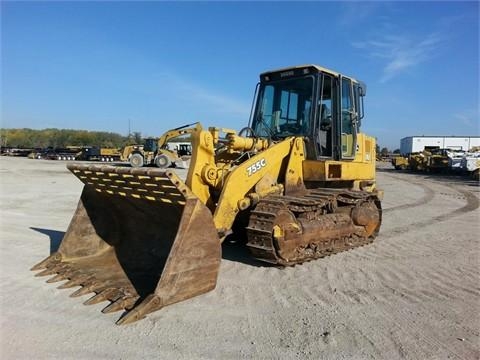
point(144, 152)
point(297, 184)
point(156, 151)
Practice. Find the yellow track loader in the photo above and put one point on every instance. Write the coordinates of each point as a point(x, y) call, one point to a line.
point(298, 183)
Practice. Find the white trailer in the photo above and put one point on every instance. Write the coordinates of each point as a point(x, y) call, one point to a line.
point(413, 144)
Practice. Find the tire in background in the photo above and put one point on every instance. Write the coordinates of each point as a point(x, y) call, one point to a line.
point(136, 160)
point(162, 161)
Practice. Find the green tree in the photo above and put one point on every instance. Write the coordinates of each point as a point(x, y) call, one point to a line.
point(28, 138)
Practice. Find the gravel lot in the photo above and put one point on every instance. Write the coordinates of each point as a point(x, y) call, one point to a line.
point(412, 294)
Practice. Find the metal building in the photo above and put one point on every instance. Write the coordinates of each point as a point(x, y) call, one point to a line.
point(411, 144)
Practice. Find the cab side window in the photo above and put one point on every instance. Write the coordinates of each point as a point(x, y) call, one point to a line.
point(347, 106)
point(324, 139)
point(348, 111)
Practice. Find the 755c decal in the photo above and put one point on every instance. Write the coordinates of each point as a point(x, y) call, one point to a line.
point(252, 169)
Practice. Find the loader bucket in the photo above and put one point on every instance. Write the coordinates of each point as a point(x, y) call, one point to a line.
point(139, 238)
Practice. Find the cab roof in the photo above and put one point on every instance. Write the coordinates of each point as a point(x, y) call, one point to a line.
point(310, 67)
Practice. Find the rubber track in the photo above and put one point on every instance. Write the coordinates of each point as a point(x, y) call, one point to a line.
point(260, 229)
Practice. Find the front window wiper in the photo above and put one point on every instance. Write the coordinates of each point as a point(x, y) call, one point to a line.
point(263, 123)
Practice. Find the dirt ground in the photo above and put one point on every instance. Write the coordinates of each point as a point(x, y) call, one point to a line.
point(413, 294)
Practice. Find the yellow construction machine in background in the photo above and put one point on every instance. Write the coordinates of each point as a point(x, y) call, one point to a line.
point(157, 151)
point(417, 161)
point(429, 160)
point(298, 183)
point(400, 162)
point(437, 160)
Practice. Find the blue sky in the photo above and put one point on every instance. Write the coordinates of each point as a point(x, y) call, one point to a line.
point(95, 65)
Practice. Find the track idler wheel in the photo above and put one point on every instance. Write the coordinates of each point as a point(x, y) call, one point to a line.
point(368, 215)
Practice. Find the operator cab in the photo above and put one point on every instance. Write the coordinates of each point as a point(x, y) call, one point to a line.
point(150, 145)
point(313, 102)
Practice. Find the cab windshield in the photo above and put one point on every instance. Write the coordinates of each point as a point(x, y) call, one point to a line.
point(284, 108)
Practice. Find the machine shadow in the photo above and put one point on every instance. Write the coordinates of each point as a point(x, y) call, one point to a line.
point(389, 170)
point(234, 248)
point(54, 235)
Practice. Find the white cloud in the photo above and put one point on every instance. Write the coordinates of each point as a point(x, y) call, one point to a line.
point(401, 52)
point(202, 96)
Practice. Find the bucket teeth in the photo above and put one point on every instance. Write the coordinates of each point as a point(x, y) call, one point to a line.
point(54, 269)
point(65, 270)
point(114, 306)
point(124, 302)
point(102, 296)
point(76, 280)
point(130, 302)
point(48, 271)
point(68, 273)
point(52, 259)
point(86, 289)
point(56, 278)
point(151, 303)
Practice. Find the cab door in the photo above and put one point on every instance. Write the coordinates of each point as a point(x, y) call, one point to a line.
point(348, 119)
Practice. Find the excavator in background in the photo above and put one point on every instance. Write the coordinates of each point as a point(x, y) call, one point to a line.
point(296, 184)
point(156, 151)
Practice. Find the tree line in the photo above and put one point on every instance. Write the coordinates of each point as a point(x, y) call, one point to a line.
point(385, 151)
point(60, 138)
